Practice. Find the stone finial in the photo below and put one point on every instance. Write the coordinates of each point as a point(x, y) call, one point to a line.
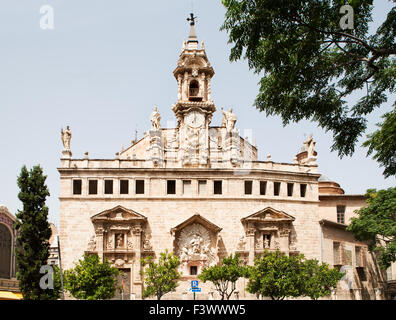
point(269, 157)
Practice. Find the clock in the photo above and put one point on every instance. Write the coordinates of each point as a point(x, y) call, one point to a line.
point(195, 119)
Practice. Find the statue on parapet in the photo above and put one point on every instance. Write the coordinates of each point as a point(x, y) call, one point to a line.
point(155, 119)
point(66, 138)
point(310, 147)
point(229, 120)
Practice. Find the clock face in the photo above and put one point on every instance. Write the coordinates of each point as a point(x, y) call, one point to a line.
point(195, 119)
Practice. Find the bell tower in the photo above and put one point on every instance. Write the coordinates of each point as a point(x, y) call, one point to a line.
point(194, 107)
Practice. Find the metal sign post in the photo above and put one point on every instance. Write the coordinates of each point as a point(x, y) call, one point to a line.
point(194, 287)
point(60, 269)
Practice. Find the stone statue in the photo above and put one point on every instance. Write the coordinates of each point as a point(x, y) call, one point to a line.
point(266, 242)
point(229, 120)
point(310, 146)
point(120, 240)
point(155, 119)
point(66, 137)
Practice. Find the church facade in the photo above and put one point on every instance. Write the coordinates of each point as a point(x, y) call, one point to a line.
point(200, 191)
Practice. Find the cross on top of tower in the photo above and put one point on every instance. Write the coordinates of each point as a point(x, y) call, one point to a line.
point(192, 19)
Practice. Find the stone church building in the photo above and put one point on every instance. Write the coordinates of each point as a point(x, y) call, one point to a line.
point(200, 191)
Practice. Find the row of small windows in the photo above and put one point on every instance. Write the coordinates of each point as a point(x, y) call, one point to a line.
point(171, 187)
point(108, 187)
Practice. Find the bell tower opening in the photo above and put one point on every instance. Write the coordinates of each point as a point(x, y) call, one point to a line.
point(194, 91)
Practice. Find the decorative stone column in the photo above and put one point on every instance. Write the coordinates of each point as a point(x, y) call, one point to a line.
point(250, 236)
point(99, 241)
point(137, 239)
point(155, 150)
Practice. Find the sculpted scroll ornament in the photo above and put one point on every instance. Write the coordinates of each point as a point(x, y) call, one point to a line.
point(194, 243)
point(92, 244)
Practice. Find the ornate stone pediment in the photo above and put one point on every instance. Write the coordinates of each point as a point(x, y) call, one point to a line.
point(196, 242)
point(270, 229)
point(118, 214)
point(268, 215)
point(117, 231)
point(197, 218)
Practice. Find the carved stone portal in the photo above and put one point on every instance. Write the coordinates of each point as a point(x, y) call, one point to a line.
point(196, 243)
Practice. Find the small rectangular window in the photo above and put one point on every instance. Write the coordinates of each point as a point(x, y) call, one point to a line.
point(187, 187)
point(202, 187)
point(171, 187)
point(341, 214)
point(108, 186)
point(93, 187)
point(77, 186)
point(139, 187)
point(263, 187)
point(290, 189)
point(218, 187)
point(277, 188)
point(124, 186)
point(303, 190)
point(193, 270)
point(248, 187)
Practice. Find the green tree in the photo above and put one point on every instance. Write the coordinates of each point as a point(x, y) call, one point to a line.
point(319, 279)
point(376, 223)
point(91, 279)
point(225, 276)
point(32, 247)
point(162, 277)
point(277, 276)
point(310, 65)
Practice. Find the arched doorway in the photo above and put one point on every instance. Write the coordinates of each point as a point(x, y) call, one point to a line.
point(5, 252)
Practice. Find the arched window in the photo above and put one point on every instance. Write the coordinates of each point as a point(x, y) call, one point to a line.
point(194, 90)
point(5, 252)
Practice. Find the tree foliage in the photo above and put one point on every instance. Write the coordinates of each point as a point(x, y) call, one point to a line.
point(276, 275)
point(320, 279)
point(33, 234)
point(91, 279)
point(376, 223)
point(162, 277)
point(225, 276)
point(309, 66)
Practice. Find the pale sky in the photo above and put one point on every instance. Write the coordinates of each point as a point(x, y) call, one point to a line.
point(106, 64)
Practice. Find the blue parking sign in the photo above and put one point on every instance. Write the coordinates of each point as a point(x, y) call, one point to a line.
point(194, 284)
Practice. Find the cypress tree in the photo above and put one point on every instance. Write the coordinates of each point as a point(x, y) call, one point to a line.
point(32, 249)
